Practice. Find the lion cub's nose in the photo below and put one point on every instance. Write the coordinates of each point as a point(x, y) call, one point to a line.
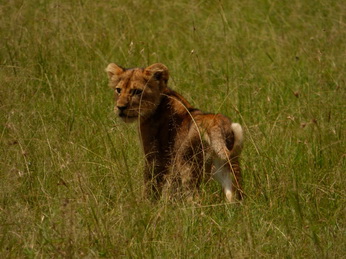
point(122, 108)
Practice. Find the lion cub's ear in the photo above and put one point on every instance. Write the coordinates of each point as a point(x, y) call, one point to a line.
point(157, 71)
point(113, 69)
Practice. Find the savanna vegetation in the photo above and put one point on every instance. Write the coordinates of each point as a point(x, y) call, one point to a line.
point(70, 171)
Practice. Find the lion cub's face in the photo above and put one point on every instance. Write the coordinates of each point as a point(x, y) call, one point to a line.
point(137, 91)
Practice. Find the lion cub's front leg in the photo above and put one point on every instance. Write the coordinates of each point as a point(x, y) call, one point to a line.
point(153, 177)
point(155, 163)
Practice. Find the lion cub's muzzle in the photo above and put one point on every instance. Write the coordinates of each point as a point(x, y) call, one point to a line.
point(125, 113)
point(121, 109)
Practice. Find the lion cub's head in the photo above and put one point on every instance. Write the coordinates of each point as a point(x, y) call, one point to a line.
point(137, 90)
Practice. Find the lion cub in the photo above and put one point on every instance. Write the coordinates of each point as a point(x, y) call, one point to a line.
point(181, 144)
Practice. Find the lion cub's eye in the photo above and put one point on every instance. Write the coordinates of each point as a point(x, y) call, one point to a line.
point(137, 91)
point(118, 90)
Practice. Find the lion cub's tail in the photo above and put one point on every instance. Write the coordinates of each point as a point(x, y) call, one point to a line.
point(226, 167)
point(227, 140)
point(238, 139)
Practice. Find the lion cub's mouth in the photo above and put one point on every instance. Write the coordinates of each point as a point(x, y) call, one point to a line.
point(127, 117)
point(123, 115)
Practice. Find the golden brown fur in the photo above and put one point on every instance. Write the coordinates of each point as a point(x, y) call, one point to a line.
point(181, 144)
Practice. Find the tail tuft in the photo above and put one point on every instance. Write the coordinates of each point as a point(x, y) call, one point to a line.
point(238, 139)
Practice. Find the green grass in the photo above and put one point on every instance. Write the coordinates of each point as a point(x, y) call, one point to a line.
point(70, 171)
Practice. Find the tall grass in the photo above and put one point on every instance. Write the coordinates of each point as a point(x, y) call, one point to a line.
point(70, 172)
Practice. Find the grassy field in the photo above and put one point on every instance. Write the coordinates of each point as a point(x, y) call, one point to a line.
point(70, 171)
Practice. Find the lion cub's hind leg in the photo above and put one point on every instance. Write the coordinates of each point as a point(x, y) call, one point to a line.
point(183, 181)
point(189, 165)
